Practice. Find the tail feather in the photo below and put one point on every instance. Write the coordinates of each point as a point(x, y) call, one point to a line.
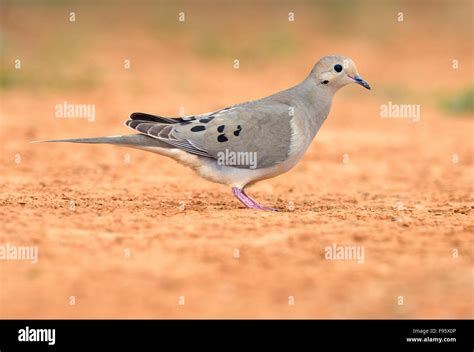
point(135, 140)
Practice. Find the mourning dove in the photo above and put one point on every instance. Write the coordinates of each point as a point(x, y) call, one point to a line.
point(249, 142)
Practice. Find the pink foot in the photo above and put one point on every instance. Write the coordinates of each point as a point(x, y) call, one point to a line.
point(249, 202)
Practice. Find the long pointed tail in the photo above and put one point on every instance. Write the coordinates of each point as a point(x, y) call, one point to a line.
point(135, 140)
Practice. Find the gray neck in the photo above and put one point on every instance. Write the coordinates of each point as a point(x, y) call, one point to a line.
point(318, 99)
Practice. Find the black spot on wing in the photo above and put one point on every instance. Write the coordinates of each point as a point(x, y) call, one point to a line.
point(237, 131)
point(222, 138)
point(220, 129)
point(198, 128)
point(207, 119)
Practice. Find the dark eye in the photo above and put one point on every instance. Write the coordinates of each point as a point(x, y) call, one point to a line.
point(338, 68)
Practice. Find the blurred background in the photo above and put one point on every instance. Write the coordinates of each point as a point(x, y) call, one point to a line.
point(191, 63)
point(400, 188)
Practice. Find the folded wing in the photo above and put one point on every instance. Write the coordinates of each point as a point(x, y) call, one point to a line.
point(262, 131)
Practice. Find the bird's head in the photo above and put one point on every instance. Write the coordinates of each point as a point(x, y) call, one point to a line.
point(335, 71)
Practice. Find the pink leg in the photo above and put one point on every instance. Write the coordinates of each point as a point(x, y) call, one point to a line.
point(261, 207)
point(247, 201)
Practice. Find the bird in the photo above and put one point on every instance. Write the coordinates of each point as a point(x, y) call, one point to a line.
point(245, 143)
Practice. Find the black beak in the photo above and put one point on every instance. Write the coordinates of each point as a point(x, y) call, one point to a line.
point(359, 80)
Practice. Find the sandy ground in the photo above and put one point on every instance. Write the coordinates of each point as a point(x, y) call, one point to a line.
point(130, 234)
